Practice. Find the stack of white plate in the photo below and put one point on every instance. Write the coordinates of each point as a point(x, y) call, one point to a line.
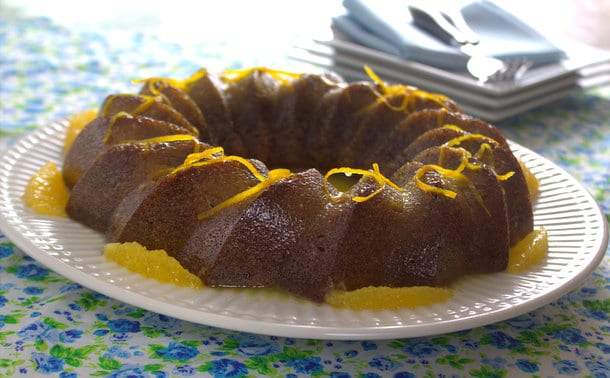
point(584, 68)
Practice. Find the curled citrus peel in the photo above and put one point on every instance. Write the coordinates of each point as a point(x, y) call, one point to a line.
point(167, 139)
point(409, 94)
point(148, 101)
point(159, 139)
point(155, 83)
point(279, 75)
point(456, 174)
point(375, 174)
point(476, 137)
point(152, 82)
point(421, 172)
point(449, 125)
point(113, 121)
point(143, 107)
point(485, 148)
point(216, 155)
point(275, 175)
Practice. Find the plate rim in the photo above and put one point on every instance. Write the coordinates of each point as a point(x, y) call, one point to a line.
point(263, 326)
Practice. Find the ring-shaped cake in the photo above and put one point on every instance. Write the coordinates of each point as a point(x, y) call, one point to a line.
point(300, 182)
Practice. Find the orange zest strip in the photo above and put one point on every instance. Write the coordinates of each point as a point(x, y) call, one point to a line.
point(369, 71)
point(455, 174)
point(113, 121)
point(465, 162)
point(168, 138)
point(410, 93)
point(194, 77)
point(156, 90)
point(141, 108)
point(160, 139)
point(483, 149)
point(150, 83)
point(458, 140)
point(207, 154)
point(145, 105)
point(419, 174)
point(375, 174)
point(452, 127)
point(274, 176)
point(180, 84)
point(281, 76)
point(216, 155)
point(505, 176)
point(148, 102)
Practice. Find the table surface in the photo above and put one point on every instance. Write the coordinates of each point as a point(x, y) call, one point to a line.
point(51, 326)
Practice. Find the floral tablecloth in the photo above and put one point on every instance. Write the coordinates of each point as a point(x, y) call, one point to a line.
point(50, 326)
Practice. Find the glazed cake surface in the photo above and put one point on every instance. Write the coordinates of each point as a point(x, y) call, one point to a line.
point(235, 174)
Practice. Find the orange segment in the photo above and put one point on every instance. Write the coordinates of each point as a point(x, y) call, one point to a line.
point(156, 264)
point(531, 250)
point(530, 180)
point(46, 192)
point(388, 298)
point(76, 124)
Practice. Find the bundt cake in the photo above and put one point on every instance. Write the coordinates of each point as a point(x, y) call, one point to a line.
point(300, 182)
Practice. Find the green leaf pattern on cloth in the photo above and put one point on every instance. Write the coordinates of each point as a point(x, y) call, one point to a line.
point(50, 326)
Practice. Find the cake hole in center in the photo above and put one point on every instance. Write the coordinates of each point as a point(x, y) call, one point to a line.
point(344, 181)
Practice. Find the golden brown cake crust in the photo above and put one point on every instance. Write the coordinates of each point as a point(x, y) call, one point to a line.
point(251, 200)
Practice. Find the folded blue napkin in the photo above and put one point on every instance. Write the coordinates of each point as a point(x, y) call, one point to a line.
point(385, 25)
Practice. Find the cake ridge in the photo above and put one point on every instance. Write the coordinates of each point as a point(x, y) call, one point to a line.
point(421, 166)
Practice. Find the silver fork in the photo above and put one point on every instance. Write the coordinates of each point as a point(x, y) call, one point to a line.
point(512, 71)
point(453, 30)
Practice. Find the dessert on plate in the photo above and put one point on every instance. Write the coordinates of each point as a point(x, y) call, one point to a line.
point(300, 182)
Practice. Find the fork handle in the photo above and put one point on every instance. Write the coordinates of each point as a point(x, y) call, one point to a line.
point(439, 25)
